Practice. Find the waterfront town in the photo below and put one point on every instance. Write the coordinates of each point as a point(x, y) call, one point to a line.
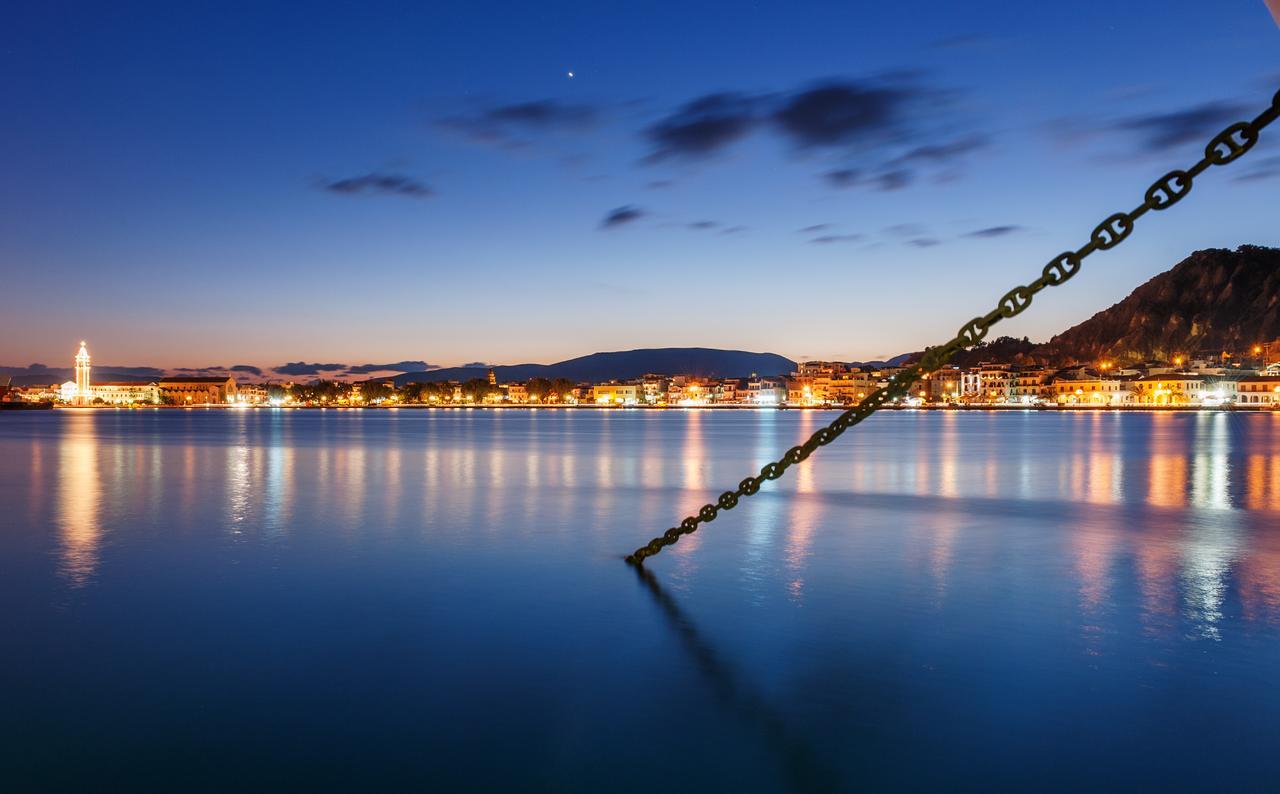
point(1220, 379)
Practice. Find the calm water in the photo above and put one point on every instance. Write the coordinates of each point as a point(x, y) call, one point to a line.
point(437, 599)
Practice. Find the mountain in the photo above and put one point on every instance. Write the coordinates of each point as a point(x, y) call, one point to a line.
point(1213, 300)
point(622, 365)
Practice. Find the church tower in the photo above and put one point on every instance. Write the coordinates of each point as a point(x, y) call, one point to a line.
point(84, 389)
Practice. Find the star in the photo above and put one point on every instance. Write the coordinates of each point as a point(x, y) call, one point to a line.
point(570, 75)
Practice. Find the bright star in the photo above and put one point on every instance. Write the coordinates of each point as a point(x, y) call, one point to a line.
point(570, 74)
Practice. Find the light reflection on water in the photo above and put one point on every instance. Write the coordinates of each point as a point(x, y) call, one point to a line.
point(957, 586)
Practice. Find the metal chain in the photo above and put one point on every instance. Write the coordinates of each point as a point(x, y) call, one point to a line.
point(1166, 191)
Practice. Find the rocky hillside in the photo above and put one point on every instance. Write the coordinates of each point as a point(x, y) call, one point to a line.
point(1213, 300)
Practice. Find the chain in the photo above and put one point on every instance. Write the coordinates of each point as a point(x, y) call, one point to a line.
point(1166, 191)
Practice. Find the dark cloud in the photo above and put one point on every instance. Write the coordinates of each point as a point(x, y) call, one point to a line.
point(896, 179)
point(703, 225)
point(1266, 168)
point(380, 184)
point(1161, 131)
point(942, 153)
point(303, 368)
point(399, 366)
point(817, 227)
point(473, 364)
point(885, 181)
point(843, 177)
point(844, 113)
point(733, 230)
point(247, 369)
point(702, 127)
point(621, 216)
point(827, 239)
point(505, 124)
point(994, 231)
point(924, 242)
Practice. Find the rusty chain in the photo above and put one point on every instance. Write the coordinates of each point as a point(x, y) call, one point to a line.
point(1166, 191)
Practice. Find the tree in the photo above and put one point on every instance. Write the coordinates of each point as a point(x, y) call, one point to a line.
point(376, 391)
point(477, 389)
point(413, 393)
point(561, 389)
point(539, 389)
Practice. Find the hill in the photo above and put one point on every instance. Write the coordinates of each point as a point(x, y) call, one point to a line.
point(1213, 300)
point(621, 365)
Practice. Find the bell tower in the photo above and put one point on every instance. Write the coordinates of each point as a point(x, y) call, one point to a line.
point(84, 388)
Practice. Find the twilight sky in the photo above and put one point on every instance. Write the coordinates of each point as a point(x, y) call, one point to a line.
point(198, 184)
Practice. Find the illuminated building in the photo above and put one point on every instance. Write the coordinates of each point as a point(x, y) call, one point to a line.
point(516, 392)
point(1259, 390)
point(126, 393)
point(1168, 389)
point(766, 390)
point(616, 394)
point(1091, 391)
point(198, 391)
point(84, 391)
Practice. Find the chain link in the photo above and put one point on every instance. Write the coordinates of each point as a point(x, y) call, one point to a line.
point(1168, 190)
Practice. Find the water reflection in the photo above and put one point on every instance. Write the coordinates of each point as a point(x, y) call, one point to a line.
point(801, 766)
point(79, 501)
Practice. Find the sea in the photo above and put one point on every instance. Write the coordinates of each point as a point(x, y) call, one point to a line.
point(437, 600)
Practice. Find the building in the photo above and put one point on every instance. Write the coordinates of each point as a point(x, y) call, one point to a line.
point(1169, 389)
point(768, 390)
point(1090, 391)
point(126, 393)
point(198, 391)
point(1270, 353)
point(1030, 385)
point(616, 394)
point(1259, 390)
point(83, 393)
point(252, 393)
point(516, 392)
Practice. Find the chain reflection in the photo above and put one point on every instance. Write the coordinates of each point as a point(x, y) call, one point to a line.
point(801, 767)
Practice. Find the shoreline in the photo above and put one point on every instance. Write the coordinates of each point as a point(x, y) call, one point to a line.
point(554, 407)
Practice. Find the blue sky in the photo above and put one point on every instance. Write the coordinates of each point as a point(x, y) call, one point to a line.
point(216, 184)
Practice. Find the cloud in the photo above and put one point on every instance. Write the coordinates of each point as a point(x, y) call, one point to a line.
point(621, 216)
point(886, 181)
point(994, 231)
point(702, 127)
point(303, 368)
point(399, 366)
point(474, 364)
point(703, 225)
point(893, 180)
point(843, 177)
point(247, 369)
point(817, 227)
point(375, 184)
point(733, 230)
point(837, 238)
point(942, 153)
point(1162, 131)
point(506, 124)
point(1266, 168)
point(843, 113)
point(924, 242)
point(905, 230)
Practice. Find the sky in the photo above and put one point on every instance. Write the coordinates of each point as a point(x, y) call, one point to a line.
point(393, 184)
